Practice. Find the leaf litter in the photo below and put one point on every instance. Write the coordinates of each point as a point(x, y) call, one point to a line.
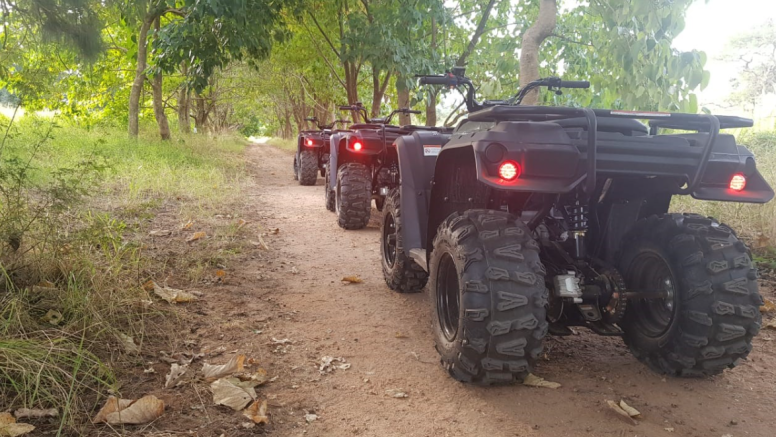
point(170, 295)
point(329, 364)
point(130, 412)
point(212, 372)
point(10, 428)
point(537, 381)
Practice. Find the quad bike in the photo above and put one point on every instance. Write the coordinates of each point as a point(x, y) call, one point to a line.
point(312, 151)
point(363, 165)
point(532, 219)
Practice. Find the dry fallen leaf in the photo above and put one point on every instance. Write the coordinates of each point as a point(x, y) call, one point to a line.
point(259, 376)
point(232, 393)
point(221, 274)
point(310, 417)
point(241, 223)
point(128, 412)
point(536, 381)
point(257, 412)
point(396, 393)
point(767, 307)
point(170, 295)
point(263, 244)
point(234, 365)
point(622, 413)
point(196, 236)
point(46, 284)
point(352, 280)
point(632, 412)
point(129, 343)
point(23, 413)
point(400, 335)
point(187, 225)
point(771, 324)
point(160, 233)
point(176, 372)
point(53, 317)
point(9, 427)
point(275, 231)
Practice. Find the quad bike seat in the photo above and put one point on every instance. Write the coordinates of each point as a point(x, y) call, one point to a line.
point(625, 126)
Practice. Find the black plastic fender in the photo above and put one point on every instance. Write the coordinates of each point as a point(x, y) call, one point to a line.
point(417, 155)
point(334, 150)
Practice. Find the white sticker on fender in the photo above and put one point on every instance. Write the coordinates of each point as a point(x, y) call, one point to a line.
point(431, 150)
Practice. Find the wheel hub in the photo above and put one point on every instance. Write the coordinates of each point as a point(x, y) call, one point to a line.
point(389, 239)
point(448, 297)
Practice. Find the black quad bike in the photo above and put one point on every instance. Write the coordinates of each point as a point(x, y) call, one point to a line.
point(312, 151)
point(533, 219)
point(363, 165)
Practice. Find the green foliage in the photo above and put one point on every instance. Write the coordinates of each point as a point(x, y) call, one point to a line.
point(753, 54)
point(211, 34)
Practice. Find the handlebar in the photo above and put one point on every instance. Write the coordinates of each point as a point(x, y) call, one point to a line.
point(447, 80)
point(580, 84)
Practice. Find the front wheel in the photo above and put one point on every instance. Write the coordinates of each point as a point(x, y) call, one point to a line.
point(488, 292)
point(401, 273)
point(710, 310)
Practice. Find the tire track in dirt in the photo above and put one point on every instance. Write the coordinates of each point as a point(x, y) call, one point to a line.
point(362, 323)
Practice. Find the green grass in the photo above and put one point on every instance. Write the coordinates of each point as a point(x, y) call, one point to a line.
point(75, 201)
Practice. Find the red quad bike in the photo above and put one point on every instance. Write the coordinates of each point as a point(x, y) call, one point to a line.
point(363, 166)
point(534, 219)
point(312, 152)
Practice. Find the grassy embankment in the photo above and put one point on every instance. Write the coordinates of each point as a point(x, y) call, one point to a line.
point(75, 205)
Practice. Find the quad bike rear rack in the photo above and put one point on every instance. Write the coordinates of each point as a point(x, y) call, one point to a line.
point(690, 122)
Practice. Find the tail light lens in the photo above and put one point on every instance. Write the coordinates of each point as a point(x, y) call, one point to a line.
point(309, 142)
point(738, 182)
point(509, 170)
point(357, 146)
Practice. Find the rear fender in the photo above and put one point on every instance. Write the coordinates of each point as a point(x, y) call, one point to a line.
point(417, 156)
point(456, 188)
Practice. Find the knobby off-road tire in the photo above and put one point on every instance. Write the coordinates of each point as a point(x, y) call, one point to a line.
point(296, 169)
point(328, 194)
point(353, 196)
point(488, 260)
point(308, 167)
point(401, 273)
point(715, 310)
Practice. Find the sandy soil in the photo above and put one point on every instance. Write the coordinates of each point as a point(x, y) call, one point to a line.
point(294, 291)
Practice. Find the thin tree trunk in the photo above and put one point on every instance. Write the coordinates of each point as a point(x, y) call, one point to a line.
point(533, 38)
point(137, 84)
point(404, 100)
point(378, 90)
point(431, 102)
point(156, 85)
point(477, 34)
point(184, 124)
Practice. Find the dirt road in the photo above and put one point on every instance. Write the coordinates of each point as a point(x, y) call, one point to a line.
point(297, 294)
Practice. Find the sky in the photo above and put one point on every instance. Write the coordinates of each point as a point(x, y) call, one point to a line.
point(709, 26)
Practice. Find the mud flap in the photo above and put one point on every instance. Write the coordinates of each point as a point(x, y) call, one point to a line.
point(417, 159)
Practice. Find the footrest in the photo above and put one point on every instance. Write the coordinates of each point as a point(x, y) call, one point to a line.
point(419, 256)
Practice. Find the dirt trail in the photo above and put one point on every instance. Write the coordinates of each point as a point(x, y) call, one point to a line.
point(386, 337)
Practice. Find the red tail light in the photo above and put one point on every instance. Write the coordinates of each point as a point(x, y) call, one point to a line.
point(309, 142)
point(357, 146)
point(738, 182)
point(509, 170)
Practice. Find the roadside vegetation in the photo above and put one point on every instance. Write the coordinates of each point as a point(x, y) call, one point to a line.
point(74, 211)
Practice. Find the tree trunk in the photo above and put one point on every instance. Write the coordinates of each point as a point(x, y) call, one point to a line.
point(351, 87)
point(184, 124)
point(137, 84)
point(156, 85)
point(200, 117)
point(532, 41)
point(478, 33)
point(431, 102)
point(404, 100)
point(378, 90)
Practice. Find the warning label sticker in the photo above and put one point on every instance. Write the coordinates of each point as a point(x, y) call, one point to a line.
point(431, 150)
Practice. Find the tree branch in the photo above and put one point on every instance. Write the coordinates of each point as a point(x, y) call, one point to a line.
point(477, 34)
point(326, 60)
point(326, 37)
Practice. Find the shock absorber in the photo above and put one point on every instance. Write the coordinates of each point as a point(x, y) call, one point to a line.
point(394, 174)
point(578, 221)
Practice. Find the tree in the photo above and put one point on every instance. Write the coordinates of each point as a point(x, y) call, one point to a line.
point(755, 54)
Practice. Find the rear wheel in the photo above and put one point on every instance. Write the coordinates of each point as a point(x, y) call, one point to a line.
point(328, 193)
point(353, 196)
point(710, 312)
point(401, 273)
point(487, 289)
point(296, 169)
point(308, 167)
